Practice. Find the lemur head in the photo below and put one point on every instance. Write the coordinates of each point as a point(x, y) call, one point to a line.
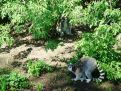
point(70, 67)
point(73, 67)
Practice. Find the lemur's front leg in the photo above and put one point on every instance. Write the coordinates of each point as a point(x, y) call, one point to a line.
point(78, 77)
point(82, 79)
point(75, 79)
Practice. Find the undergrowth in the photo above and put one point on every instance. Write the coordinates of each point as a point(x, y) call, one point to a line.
point(13, 82)
point(37, 67)
point(39, 18)
point(104, 21)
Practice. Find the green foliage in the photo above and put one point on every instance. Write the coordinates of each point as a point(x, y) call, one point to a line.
point(112, 16)
point(39, 18)
point(37, 67)
point(92, 15)
point(17, 81)
point(13, 81)
point(75, 15)
point(97, 12)
point(42, 15)
point(52, 44)
point(112, 3)
point(99, 44)
point(5, 38)
point(5, 71)
point(39, 87)
point(112, 70)
point(15, 11)
point(75, 58)
point(3, 84)
point(45, 14)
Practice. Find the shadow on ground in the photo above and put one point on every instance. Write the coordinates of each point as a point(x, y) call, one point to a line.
point(60, 80)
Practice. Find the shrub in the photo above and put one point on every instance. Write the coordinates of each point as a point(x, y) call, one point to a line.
point(36, 17)
point(40, 87)
point(92, 15)
point(5, 38)
point(37, 67)
point(5, 71)
point(13, 81)
point(45, 14)
point(112, 16)
point(112, 70)
point(99, 44)
point(52, 44)
point(3, 84)
point(17, 81)
point(96, 12)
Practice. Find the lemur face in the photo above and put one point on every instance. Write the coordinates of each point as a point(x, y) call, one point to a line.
point(70, 66)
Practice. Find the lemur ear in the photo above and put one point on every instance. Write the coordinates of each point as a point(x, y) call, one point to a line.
point(69, 64)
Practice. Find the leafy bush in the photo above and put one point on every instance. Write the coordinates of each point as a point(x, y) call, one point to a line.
point(13, 81)
point(99, 43)
point(5, 71)
point(45, 15)
point(112, 70)
point(17, 81)
point(5, 38)
point(39, 87)
point(41, 16)
point(75, 15)
point(37, 67)
point(96, 12)
point(52, 44)
point(3, 84)
point(112, 15)
point(92, 15)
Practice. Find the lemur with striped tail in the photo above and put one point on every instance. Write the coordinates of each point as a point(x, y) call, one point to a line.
point(86, 69)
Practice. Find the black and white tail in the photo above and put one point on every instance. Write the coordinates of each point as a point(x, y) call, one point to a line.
point(99, 74)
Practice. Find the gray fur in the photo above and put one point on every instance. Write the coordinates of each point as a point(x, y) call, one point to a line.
point(84, 68)
point(64, 26)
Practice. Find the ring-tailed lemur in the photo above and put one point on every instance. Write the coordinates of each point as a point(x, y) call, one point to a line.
point(64, 27)
point(85, 69)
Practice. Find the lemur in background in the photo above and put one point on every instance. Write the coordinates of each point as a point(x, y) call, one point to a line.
point(63, 26)
point(84, 69)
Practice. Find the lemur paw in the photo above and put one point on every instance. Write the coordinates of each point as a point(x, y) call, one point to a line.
point(74, 79)
point(82, 79)
point(88, 80)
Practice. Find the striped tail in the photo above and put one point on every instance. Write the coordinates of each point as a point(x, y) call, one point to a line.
point(101, 74)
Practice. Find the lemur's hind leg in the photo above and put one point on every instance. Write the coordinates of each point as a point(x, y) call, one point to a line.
point(77, 77)
point(82, 77)
point(89, 76)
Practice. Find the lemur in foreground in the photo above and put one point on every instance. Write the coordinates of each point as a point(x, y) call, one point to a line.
point(85, 69)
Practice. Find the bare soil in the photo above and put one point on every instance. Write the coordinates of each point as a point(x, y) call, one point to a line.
point(60, 80)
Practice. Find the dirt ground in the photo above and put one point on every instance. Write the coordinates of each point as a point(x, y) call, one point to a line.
point(25, 50)
point(59, 80)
